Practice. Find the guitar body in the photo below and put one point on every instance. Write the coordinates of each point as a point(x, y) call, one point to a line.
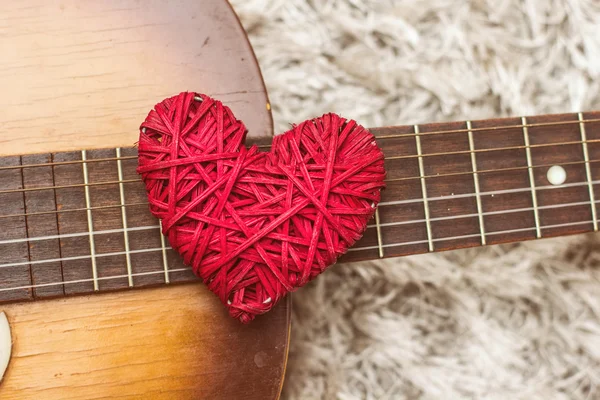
point(82, 75)
point(163, 343)
point(101, 307)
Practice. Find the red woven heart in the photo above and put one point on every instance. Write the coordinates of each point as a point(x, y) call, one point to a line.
point(256, 225)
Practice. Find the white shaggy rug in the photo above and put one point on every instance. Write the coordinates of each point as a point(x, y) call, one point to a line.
point(505, 322)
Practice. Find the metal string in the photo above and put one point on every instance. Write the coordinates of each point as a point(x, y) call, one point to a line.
point(161, 271)
point(449, 174)
point(491, 128)
point(386, 137)
point(383, 137)
point(100, 278)
point(150, 227)
point(381, 204)
point(474, 235)
point(67, 210)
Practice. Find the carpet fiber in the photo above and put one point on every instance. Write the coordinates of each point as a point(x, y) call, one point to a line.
point(515, 321)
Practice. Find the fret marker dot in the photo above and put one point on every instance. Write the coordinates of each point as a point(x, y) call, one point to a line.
point(557, 175)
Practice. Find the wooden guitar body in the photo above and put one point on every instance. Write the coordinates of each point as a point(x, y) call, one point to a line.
point(83, 75)
point(99, 304)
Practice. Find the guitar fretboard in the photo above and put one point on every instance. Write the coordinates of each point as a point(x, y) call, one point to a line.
point(472, 183)
point(78, 222)
point(79, 225)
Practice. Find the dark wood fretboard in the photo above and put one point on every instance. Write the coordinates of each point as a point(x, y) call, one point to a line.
point(78, 222)
point(90, 230)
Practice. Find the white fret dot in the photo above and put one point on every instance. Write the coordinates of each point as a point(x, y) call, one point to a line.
point(557, 175)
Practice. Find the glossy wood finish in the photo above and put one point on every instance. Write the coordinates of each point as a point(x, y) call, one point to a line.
point(83, 75)
point(168, 343)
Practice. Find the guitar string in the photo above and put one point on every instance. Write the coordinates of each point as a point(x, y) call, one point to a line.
point(399, 157)
point(370, 226)
point(473, 235)
point(120, 230)
point(411, 156)
point(484, 171)
point(83, 257)
point(68, 210)
point(484, 214)
point(490, 193)
point(59, 163)
point(90, 280)
point(79, 234)
point(161, 271)
point(381, 204)
point(450, 174)
point(474, 130)
point(477, 151)
point(383, 137)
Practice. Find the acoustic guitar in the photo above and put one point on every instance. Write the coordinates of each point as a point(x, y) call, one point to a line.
point(100, 306)
point(77, 78)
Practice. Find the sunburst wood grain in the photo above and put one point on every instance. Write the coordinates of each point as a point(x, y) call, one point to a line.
point(167, 343)
point(83, 75)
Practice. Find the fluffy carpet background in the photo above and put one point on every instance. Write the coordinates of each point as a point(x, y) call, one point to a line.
point(504, 322)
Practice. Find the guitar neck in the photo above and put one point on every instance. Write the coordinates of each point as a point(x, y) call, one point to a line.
point(78, 222)
point(472, 183)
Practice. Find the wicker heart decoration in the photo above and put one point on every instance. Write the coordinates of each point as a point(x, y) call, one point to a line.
point(256, 225)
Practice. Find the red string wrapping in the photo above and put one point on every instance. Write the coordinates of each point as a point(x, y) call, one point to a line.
point(256, 225)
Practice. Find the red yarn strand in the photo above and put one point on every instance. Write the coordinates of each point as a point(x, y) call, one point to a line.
point(254, 225)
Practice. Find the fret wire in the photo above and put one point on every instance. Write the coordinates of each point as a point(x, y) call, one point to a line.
point(588, 171)
point(164, 253)
point(103, 278)
point(124, 217)
point(71, 235)
point(423, 187)
point(60, 250)
point(531, 179)
point(379, 238)
point(89, 220)
point(26, 220)
point(66, 210)
point(476, 182)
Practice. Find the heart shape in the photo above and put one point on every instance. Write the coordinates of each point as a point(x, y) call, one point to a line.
point(256, 225)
